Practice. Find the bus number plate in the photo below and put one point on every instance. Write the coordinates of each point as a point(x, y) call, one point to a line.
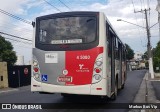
point(64, 79)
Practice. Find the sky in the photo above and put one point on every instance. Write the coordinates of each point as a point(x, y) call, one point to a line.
point(133, 35)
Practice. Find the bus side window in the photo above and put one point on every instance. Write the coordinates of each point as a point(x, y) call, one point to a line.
point(109, 48)
point(109, 45)
point(116, 48)
point(108, 36)
point(119, 50)
point(122, 53)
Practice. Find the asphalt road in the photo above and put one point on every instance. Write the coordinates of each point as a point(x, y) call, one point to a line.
point(127, 95)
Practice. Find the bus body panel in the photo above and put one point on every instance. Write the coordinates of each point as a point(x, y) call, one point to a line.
point(35, 85)
point(73, 71)
point(48, 67)
point(105, 83)
point(80, 89)
point(77, 64)
point(80, 65)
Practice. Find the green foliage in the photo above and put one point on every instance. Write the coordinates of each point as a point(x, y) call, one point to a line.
point(157, 50)
point(130, 52)
point(156, 63)
point(156, 57)
point(6, 52)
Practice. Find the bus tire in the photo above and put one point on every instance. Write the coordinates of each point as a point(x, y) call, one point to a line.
point(114, 96)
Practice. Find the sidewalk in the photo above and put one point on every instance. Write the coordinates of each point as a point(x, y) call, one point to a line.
point(5, 90)
point(149, 92)
point(152, 94)
point(156, 86)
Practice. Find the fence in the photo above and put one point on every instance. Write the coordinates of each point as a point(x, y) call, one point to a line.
point(19, 76)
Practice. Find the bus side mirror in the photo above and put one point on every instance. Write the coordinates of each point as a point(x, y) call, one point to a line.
point(33, 24)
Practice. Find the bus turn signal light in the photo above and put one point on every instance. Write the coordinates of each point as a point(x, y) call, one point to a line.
point(36, 69)
point(97, 70)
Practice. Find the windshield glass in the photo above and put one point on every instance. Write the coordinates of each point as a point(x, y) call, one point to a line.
point(68, 30)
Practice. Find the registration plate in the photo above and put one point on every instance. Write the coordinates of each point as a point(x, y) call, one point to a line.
point(65, 79)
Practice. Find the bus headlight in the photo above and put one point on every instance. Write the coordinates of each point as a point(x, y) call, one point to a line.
point(36, 76)
point(35, 63)
point(99, 62)
point(96, 78)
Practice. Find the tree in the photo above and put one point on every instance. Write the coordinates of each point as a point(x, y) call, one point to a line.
point(6, 52)
point(156, 57)
point(130, 52)
point(157, 50)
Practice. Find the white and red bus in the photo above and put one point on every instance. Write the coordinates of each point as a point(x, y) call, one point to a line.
point(77, 53)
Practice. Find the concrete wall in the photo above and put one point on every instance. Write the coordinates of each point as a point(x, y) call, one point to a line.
point(3, 75)
point(20, 60)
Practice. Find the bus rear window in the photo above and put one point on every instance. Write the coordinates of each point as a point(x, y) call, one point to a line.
point(67, 30)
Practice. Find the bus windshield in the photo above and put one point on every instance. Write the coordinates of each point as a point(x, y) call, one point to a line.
point(67, 30)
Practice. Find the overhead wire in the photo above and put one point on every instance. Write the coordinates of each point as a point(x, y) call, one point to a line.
point(143, 22)
point(17, 40)
point(65, 5)
point(15, 36)
point(11, 24)
point(52, 5)
point(143, 19)
point(25, 45)
point(8, 27)
point(142, 13)
point(15, 17)
point(27, 36)
point(148, 5)
point(143, 4)
point(136, 21)
point(21, 31)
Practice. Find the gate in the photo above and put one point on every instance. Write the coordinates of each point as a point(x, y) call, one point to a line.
point(19, 75)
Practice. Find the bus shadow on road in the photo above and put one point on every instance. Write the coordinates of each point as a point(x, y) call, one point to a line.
point(88, 99)
point(85, 102)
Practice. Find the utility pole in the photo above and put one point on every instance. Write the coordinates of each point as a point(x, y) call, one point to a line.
point(148, 35)
point(148, 44)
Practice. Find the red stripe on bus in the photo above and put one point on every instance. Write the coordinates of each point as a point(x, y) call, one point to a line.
point(80, 65)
